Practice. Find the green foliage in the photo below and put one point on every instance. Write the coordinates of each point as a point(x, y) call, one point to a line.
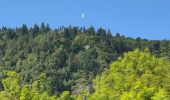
point(137, 75)
point(51, 61)
point(24, 29)
point(65, 96)
point(14, 90)
point(11, 86)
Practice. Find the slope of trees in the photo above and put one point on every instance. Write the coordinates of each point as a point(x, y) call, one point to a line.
point(135, 76)
point(69, 57)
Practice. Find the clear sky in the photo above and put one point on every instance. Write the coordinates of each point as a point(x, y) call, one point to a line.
point(145, 18)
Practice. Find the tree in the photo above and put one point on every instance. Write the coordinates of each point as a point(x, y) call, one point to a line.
point(45, 28)
point(11, 86)
point(155, 48)
point(65, 96)
point(90, 31)
point(101, 32)
point(10, 34)
point(165, 49)
point(36, 30)
point(25, 93)
point(13, 90)
point(24, 29)
point(136, 75)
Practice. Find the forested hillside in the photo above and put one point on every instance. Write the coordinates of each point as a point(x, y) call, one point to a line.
point(67, 63)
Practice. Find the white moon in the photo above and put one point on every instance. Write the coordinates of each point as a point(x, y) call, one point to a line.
point(82, 15)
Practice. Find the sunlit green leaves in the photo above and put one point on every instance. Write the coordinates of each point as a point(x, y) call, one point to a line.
point(137, 75)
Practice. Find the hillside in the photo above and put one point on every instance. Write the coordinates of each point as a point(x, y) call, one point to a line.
point(68, 58)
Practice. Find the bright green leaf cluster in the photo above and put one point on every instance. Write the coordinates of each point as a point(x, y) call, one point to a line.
point(14, 90)
point(135, 76)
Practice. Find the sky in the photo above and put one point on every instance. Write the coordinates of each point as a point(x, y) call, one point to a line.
point(148, 19)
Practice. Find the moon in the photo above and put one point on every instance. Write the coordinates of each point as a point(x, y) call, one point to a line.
point(82, 15)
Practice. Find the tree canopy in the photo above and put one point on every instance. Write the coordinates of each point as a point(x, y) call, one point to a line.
point(137, 75)
point(70, 58)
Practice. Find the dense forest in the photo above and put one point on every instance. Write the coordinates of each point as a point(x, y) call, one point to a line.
point(78, 63)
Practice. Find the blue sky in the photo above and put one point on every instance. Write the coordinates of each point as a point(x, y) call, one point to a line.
point(145, 18)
